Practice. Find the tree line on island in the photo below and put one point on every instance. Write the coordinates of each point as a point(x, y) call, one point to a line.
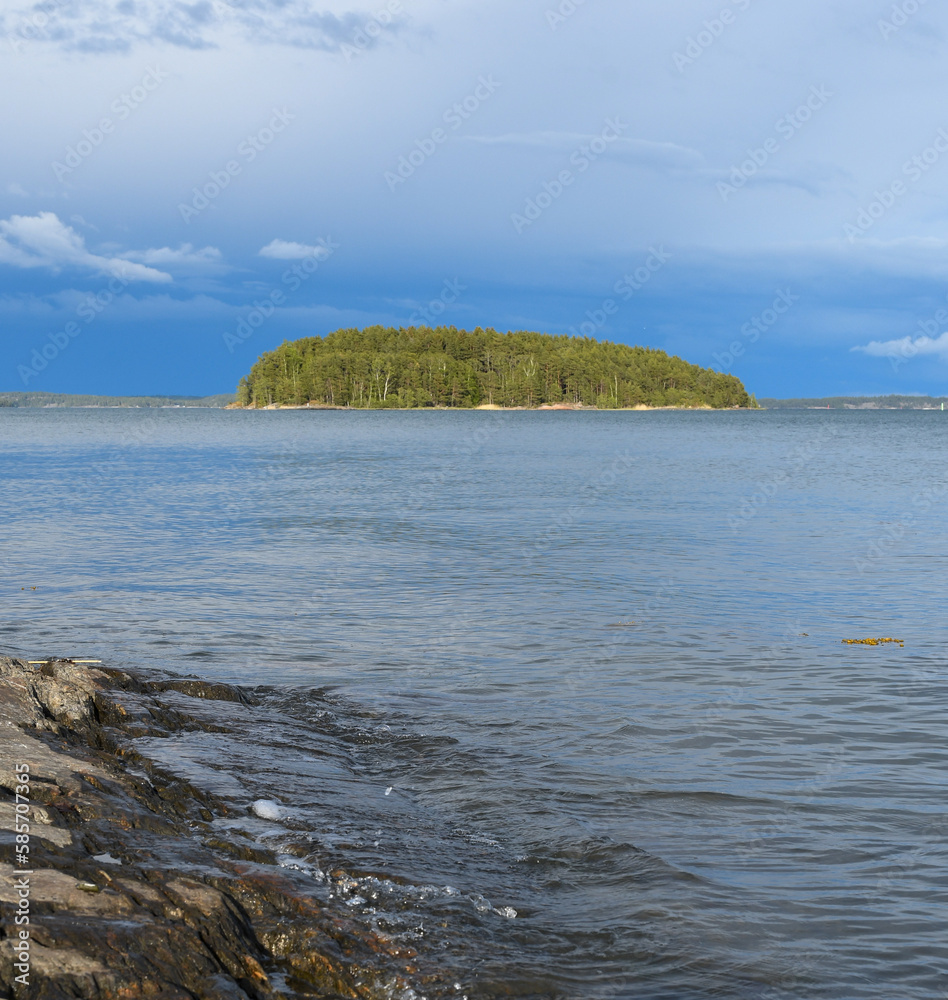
point(403, 368)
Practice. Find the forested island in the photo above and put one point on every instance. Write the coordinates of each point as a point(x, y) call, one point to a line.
point(404, 368)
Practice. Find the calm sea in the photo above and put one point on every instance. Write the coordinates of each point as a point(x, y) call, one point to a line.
point(584, 667)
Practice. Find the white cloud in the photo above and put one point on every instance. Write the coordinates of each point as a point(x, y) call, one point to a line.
point(185, 258)
point(285, 250)
point(44, 241)
point(14, 188)
point(815, 178)
point(906, 347)
point(668, 157)
point(103, 26)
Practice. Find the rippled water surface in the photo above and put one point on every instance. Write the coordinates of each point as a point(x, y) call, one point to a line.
point(583, 666)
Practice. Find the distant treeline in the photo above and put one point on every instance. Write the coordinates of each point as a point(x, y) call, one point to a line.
point(47, 399)
point(384, 367)
point(858, 403)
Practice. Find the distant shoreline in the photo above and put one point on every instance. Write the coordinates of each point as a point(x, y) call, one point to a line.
point(890, 402)
point(225, 401)
point(62, 400)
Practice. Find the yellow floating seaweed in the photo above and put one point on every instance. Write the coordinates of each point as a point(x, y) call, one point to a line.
point(871, 642)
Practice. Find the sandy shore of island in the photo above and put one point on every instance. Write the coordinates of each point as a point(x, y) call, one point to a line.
point(546, 407)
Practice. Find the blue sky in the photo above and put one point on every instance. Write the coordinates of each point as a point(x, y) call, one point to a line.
point(756, 187)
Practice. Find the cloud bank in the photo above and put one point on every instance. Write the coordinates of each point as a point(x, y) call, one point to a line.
point(185, 259)
point(906, 347)
point(44, 241)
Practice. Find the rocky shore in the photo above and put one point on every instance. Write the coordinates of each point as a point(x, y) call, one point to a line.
point(128, 888)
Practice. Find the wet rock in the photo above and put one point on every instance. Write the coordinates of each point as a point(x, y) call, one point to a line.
point(202, 689)
point(132, 892)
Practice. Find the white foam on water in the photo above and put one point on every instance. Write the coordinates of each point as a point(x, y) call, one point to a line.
point(267, 809)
